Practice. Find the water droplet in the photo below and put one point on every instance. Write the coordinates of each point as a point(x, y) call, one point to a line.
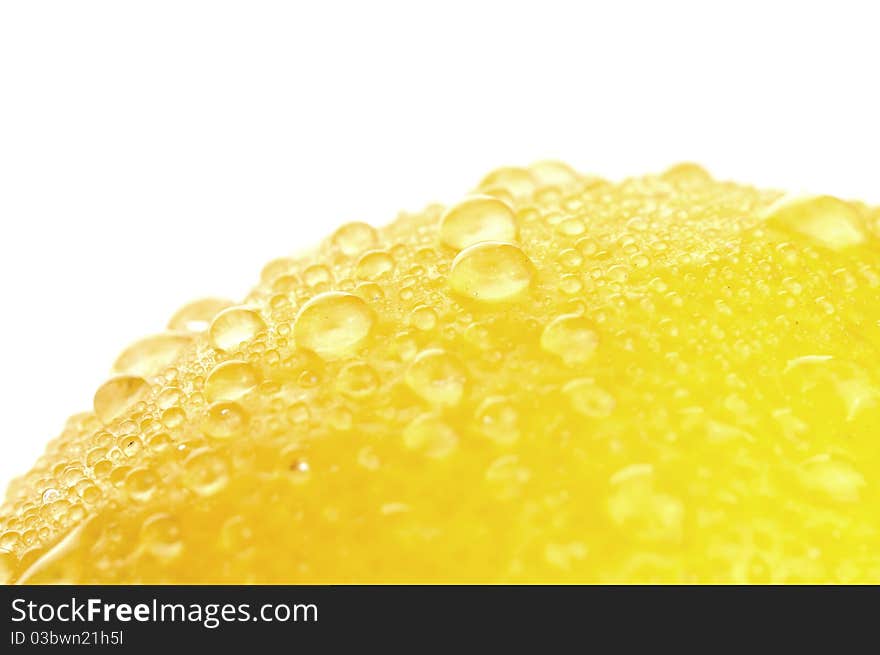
point(117, 394)
point(160, 536)
point(141, 484)
point(333, 324)
point(152, 355)
point(205, 472)
point(571, 337)
point(499, 420)
point(825, 220)
point(438, 377)
point(374, 264)
point(587, 398)
point(423, 318)
point(833, 477)
point(431, 436)
point(354, 238)
point(636, 506)
point(506, 476)
point(235, 326)
point(687, 172)
point(519, 182)
point(50, 495)
point(197, 315)
point(553, 173)
point(476, 219)
point(491, 272)
point(230, 380)
point(357, 380)
point(225, 420)
point(368, 458)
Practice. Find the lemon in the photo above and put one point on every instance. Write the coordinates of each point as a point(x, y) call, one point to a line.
point(559, 379)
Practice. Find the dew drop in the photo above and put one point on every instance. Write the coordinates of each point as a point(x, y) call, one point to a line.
point(553, 173)
point(572, 337)
point(197, 315)
point(225, 420)
point(235, 326)
point(637, 507)
point(357, 380)
point(438, 377)
point(141, 484)
point(374, 264)
point(587, 398)
point(476, 219)
point(354, 238)
point(230, 380)
point(430, 436)
point(118, 394)
point(160, 535)
point(333, 324)
point(506, 476)
point(833, 477)
point(152, 355)
point(519, 182)
point(205, 472)
point(423, 318)
point(499, 420)
point(491, 272)
point(825, 220)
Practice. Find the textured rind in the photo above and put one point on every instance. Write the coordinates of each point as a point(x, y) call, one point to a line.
point(713, 420)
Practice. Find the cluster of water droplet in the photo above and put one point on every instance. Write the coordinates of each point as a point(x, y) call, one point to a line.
point(666, 379)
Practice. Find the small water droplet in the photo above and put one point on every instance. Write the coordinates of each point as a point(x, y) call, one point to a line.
point(225, 420)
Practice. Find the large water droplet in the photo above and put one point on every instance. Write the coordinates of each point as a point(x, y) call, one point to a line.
point(152, 355)
point(118, 394)
point(480, 218)
point(235, 326)
point(333, 324)
point(491, 271)
point(225, 420)
point(431, 436)
point(205, 472)
point(438, 377)
point(572, 337)
point(354, 238)
point(197, 315)
point(231, 380)
point(825, 220)
point(589, 399)
point(833, 477)
point(636, 506)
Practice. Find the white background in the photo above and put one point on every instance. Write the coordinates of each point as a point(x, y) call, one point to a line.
point(153, 152)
